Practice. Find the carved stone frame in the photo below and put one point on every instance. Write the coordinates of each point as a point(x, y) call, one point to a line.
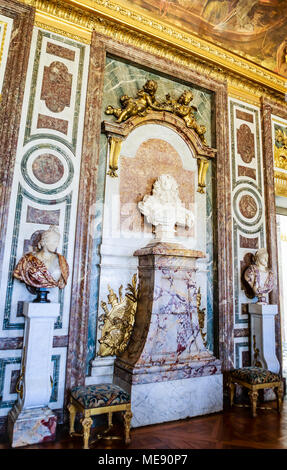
point(100, 46)
point(117, 133)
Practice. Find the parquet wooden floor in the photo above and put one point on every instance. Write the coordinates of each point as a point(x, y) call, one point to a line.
point(231, 429)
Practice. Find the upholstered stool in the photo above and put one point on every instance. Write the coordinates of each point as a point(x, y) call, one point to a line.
point(96, 400)
point(254, 379)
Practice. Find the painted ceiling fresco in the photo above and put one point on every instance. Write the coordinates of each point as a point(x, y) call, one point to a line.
point(254, 29)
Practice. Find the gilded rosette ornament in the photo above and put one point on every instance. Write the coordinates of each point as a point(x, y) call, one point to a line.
point(118, 322)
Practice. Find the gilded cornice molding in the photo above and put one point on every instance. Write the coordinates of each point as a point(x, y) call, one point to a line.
point(77, 19)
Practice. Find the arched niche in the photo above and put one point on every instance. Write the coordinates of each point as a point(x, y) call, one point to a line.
point(117, 133)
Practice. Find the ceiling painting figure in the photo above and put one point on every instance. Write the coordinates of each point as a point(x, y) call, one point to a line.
point(254, 29)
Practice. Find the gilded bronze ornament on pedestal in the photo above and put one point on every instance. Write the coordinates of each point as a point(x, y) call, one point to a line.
point(201, 316)
point(118, 322)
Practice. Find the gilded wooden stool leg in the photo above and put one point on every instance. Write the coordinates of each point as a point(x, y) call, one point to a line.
point(253, 395)
point(110, 421)
point(279, 395)
point(86, 423)
point(72, 412)
point(127, 418)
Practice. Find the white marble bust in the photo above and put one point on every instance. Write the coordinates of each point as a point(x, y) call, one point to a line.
point(164, 209)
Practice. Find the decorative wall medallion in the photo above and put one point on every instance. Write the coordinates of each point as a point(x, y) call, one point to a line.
point(47, 168)
point(46, 172)
point(56, 87)
point(248, 206)
point(245, 143)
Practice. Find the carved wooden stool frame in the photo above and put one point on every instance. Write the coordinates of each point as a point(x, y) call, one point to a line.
point(87, 421)
point(253, 392)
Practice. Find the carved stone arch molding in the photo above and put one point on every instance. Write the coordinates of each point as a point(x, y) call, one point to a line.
point(102, 46)
point(116, 133)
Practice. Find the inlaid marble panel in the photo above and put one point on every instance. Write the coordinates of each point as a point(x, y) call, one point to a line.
point(248, 209)
point(45, 182)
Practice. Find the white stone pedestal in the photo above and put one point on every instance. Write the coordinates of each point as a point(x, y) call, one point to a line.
point(31, 421)
point(263, 328)
point(102, 371)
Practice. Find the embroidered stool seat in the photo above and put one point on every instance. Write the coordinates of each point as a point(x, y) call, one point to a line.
point(95, 400)
point(254, 379)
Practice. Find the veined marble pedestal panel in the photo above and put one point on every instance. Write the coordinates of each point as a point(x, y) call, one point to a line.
point(166, 356)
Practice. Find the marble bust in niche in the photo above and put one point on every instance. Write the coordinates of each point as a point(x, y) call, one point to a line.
point(259, 277)
point(43, 268)
point(164, 209)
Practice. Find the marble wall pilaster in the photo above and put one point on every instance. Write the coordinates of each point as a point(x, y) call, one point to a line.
point(83, 281)
point(269, 108)
point(22, 17)
point(223, 240)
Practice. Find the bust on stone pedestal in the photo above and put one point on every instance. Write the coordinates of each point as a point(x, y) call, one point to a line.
point(31, 420)
point(166, 355)
point(44, 268)
point(259, 277)
point(262, 324)
point(164, 209)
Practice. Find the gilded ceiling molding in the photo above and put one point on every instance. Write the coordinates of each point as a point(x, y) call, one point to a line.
point(77, 19)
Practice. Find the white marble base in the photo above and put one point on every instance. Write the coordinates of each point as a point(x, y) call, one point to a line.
point(262, 326)
point(31, 420)
point(172, 400)
point(31, 426)
point(102, 371)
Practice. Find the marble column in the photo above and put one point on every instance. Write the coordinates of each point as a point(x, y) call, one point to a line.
point(31, 420)
point(166, 367)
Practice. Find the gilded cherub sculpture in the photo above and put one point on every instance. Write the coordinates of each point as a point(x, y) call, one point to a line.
point(44, 268)
point(259, 277)
point(145, 101)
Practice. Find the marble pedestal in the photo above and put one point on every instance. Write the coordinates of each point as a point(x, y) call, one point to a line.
point(102, 371)
point(31, 420)
point(262, 327)
point(166, 367)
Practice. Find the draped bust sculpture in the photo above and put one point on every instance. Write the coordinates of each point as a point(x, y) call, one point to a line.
point(259, 277)
point(164, 209)
point(44, 268)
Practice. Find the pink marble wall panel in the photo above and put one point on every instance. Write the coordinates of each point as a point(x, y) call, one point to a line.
point(154, 158)
point(60, 51)
point(48, 122)
point(56, 86)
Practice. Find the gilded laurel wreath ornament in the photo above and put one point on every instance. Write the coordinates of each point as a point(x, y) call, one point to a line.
point(145, 101)
point(118, 321)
